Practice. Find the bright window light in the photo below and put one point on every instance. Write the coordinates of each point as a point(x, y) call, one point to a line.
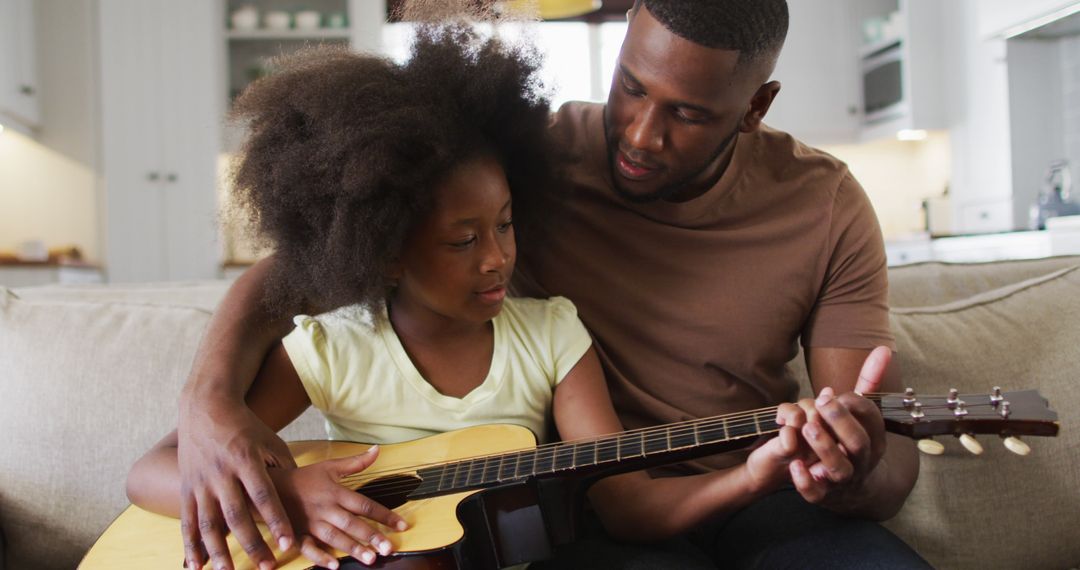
point(579, 58)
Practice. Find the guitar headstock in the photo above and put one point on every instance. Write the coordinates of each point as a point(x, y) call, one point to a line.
point(1008, 414)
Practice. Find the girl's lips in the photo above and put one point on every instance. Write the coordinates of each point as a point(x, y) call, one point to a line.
point(492, 296)
point(633, 170)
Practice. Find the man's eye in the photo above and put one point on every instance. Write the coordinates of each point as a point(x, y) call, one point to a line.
point(461, 244)
point(505, 226)
point(632, 90)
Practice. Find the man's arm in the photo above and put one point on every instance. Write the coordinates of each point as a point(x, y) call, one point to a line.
point(223, 449)
point(862, 470)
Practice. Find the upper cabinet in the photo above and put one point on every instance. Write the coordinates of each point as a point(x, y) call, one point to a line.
point(900, 66)
point(868, 69)
point(1011, 17)
point(817, 71)
point(18, 70)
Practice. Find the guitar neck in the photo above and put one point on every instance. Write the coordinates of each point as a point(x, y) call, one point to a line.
point(627, 451)
point(904, 414)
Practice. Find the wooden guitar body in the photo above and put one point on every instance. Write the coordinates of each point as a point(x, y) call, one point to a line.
point(507, 520)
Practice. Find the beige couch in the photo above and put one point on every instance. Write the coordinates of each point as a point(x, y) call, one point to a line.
point(89, 377)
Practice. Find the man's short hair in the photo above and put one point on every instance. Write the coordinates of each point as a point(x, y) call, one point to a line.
point(754, 28)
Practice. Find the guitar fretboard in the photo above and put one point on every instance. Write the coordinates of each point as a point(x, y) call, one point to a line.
point(625, 449)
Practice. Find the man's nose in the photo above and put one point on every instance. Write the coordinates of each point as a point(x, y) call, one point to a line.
point(646, 132)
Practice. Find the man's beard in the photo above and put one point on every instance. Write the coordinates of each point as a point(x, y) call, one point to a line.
point(671, 190)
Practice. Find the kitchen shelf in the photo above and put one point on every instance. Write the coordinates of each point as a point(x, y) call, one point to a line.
point(289, 35)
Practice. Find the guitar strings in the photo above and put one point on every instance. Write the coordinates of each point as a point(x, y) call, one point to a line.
point(608, 442)
point(701, 422)
point(603, 443)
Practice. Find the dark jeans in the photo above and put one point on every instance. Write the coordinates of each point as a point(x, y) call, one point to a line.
point(780, 531)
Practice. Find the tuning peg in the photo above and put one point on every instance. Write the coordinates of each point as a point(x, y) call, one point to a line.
point(954, 397)
point(971, 444)
point(1017, 446)
point(995, 396)
point(909, 397)
point(930, 447)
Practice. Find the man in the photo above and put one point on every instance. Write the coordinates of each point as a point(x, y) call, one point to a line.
point(699, 247)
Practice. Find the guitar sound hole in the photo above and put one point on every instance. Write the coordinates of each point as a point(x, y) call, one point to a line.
point(390, 492)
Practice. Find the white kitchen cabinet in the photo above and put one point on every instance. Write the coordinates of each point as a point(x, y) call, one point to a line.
point(19, 100)
point(913, 39)
point(817, 70)
point(161, 102)
point(1007, 17)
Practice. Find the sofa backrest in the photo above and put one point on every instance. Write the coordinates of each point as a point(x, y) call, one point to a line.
point(936, 283)
point(88, 382)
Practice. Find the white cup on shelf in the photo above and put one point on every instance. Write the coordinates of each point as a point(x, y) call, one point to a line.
point(245, 18)
point(308, 20)
point(277, 20)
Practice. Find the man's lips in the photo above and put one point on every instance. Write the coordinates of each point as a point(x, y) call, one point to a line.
point(633, 170)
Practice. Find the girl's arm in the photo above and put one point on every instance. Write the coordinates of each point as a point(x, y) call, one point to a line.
point(635, 506)
point(324, 508)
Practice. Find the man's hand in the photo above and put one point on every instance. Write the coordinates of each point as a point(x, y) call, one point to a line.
point(223, 456)
point(768, 466)
point(329, 515)
point(846, 433)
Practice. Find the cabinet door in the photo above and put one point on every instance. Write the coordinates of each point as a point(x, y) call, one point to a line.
point(160, 122)
point(18, 71)
point(131, 134)
point(817, 70)
point(192, 100)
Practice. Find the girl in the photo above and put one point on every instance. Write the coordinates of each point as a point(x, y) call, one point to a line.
point(390, 190)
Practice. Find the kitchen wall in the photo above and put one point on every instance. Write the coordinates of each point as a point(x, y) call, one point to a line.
point(46, 195)
point(50, 184)
point(898, 176)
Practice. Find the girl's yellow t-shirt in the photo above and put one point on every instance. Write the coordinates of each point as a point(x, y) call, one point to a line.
point(356, 371)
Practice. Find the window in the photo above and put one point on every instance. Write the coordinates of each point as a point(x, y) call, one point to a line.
point(579, 58)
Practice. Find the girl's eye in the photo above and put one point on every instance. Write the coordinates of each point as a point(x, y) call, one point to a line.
point(505, 226)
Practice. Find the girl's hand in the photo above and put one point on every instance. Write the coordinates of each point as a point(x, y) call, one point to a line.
point(330, 515)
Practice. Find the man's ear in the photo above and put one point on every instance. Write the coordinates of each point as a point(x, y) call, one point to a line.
point(759, 106)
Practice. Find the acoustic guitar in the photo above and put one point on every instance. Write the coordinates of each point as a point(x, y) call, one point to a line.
point(488, 497)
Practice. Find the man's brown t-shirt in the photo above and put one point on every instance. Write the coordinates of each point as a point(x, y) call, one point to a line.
point(697, 306)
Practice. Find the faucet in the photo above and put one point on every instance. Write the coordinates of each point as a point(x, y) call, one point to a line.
point(1055, 198)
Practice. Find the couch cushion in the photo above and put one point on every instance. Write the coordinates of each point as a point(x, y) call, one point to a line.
point(86, 388)
point(998, 510)
point(936, 283)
